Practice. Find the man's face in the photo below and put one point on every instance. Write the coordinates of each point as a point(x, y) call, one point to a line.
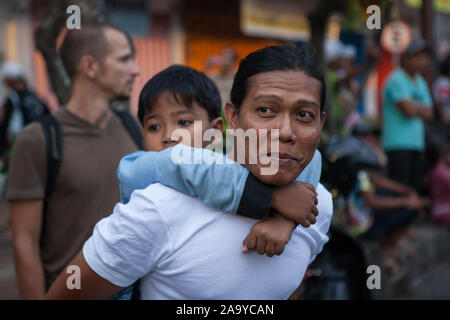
point(117, 67)
point(420, 62)
point(167, 115)
point(15, 84)
point(288, 101)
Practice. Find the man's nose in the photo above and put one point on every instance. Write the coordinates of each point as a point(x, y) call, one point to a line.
point(135, 70)
point(286, 134)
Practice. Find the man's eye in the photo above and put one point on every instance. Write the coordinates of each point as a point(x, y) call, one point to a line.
point(265, 110)
point(124, 59)
point(184, 123)
point(154, 127)
point(305, 114)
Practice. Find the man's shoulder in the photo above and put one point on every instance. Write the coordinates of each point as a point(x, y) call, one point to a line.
point(325, 205)
point(317, 233)
point(423, 83)
point(326, 197)
point(162, 195)
point(396, 76)
point(32, 133)
point(173, 208)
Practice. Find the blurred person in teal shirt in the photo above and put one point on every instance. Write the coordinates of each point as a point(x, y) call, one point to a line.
point(407, 104)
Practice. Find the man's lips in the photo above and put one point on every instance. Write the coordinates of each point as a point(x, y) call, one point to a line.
point(282, 158)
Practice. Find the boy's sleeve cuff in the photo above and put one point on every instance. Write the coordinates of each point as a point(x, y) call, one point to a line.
point(255, 200)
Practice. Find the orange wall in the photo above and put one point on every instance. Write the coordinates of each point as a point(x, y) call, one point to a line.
point(152, 55)
point(210, 32)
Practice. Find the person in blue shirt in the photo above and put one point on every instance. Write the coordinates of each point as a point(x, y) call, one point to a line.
point(407, 104)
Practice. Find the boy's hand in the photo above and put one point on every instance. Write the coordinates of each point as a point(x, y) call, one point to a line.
point(296, 201)
point(270, 235)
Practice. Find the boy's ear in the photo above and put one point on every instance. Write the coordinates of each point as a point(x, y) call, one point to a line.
point(217, 123)
point(231, 115)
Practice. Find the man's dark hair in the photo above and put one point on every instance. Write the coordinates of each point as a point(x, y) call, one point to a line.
point(89, 40)
point(276, 58)
point(187, 86)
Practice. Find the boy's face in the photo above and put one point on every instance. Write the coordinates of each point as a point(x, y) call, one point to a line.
point(168, 115)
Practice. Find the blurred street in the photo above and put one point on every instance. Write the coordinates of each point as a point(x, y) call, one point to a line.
point(435, 285)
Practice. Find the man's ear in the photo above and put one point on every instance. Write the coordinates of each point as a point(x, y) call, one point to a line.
point(322, 119)
point(89, 66)
point(217, 123)
point(231, 115)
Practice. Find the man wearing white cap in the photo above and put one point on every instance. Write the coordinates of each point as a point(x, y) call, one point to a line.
point(19, 109)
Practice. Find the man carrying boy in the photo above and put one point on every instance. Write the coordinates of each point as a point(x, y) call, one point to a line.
point(180, 98)
point(173, 250)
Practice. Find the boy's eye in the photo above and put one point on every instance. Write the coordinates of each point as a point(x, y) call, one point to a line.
point(185, 123)
point(154, 127)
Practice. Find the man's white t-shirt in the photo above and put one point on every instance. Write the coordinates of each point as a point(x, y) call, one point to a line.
point(182, 249)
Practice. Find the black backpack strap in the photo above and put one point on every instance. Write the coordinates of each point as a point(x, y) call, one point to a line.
point(53, 149)
point(53, 144)
point(131, 126)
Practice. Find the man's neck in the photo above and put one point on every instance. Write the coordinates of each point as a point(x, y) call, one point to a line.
point(90, 104)
point(411, 73)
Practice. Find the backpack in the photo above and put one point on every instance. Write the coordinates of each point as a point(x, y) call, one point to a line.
point(53, 142)
point(19, 109)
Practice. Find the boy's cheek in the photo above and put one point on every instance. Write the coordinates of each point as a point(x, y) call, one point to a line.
point(151, 143)
point(195, 139)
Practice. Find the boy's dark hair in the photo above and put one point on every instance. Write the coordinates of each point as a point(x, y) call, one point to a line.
point(276, 58)
point(186, 84)
point(89, 40)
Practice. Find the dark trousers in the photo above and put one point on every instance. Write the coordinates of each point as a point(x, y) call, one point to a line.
point(387, 222)
point(407, 167)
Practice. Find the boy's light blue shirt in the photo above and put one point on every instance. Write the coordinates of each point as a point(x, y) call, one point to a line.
point(219, 184)
point(399, 131)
